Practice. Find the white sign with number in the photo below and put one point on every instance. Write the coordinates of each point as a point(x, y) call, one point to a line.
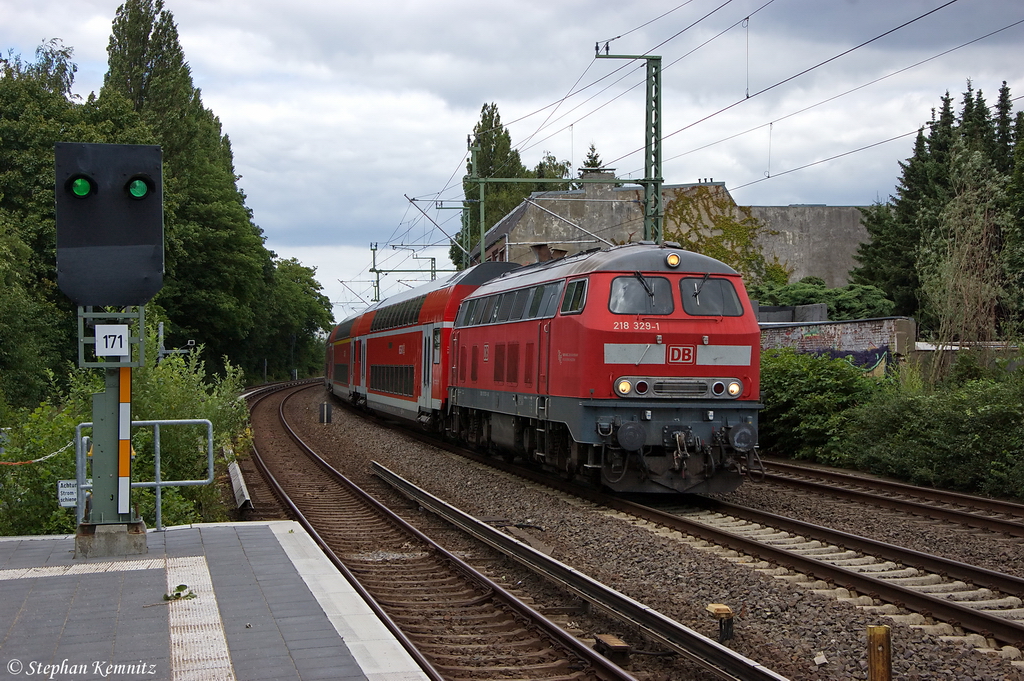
point(112, 340)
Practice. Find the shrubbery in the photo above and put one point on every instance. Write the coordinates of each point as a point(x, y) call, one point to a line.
point(806, 400)
point(177, 388)
point(966, 434)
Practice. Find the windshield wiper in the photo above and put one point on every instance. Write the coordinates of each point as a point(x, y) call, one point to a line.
point(700, 286)
point(647, 287)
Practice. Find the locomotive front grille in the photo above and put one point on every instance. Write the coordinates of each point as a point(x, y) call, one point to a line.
point(680, 388)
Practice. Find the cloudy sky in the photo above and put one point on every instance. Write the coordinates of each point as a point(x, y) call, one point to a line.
point(338, 109)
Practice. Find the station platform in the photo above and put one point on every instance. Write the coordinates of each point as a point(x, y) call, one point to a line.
point(259, 601)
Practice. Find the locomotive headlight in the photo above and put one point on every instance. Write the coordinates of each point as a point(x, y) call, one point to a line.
point(672, 260)
point(623, 387)
point(735, 388)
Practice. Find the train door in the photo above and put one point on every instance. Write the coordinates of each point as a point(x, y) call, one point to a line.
point(543, 356)
point(425, 371)
point(362, 364)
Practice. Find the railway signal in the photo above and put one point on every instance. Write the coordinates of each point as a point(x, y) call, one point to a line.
point(110, 254)
point(110, 226)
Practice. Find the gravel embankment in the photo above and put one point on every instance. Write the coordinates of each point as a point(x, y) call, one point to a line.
point(780, 625)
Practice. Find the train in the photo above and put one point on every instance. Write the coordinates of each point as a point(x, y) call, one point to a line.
point(635, 368)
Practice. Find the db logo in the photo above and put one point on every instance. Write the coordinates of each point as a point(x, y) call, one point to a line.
point(682, 354)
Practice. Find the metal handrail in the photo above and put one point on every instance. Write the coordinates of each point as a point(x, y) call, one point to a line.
point(157, 483)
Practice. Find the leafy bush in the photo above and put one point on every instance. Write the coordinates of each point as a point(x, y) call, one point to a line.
point(806, 398)
point(177, 388)
point(967, 438)
point(855, 301)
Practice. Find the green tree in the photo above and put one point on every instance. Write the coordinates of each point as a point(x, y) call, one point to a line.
point(296, 319)
point(495, 158)
point(218, 271)
point(550, 167)
point(37, 323)
point(592, 161)
point(944, 233)
point(962, 274)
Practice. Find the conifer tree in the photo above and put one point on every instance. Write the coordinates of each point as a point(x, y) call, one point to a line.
point(948, 247)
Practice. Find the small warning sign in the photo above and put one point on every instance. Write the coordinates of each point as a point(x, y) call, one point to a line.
point(67, 493)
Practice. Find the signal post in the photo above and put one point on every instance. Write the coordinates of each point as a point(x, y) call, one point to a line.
point(110, 262)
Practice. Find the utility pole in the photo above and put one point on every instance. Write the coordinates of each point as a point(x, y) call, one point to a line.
point(652, 143)
point(652, 180)
point(378, 271)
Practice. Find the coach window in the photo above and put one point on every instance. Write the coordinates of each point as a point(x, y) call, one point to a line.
point(706, 297)
point(437, 346)
point(639, 294)
point(575, 297)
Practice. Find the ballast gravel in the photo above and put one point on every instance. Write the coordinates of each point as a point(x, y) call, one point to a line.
point(792, 631)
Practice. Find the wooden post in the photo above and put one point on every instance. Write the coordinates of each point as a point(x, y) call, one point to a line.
point(879, 653)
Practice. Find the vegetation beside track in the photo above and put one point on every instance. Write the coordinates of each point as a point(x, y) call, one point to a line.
point(964, 432)
point(179, 387)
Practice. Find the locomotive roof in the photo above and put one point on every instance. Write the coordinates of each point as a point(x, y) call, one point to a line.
point(637, 257)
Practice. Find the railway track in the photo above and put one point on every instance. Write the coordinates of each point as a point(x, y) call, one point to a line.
point(455, 621)
point(978, 512)
point(957, 595)
point(941, 596)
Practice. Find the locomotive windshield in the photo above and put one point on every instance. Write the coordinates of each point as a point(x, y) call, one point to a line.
point(706, 297)
point(637, 294)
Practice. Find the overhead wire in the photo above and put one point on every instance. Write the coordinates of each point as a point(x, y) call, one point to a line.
point(841, 155)
point(640, 66)
point(794, 76)
point(846, 92)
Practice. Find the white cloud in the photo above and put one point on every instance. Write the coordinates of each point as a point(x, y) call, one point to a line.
point(338, 109)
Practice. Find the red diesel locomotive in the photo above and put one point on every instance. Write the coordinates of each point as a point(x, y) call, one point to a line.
point(636, 368)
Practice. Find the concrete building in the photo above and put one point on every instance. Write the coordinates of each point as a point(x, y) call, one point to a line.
point(810, 240)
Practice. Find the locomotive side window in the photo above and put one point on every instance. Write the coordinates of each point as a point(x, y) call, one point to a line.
point(706, 297)
point(519, 305)
point(551, 292)
point(484, 308)
point(538, 298)
point(575, 297)
point(465, 313)
point(505, 306)
point(639, 294)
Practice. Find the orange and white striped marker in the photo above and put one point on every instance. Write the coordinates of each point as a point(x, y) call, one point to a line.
point(124, 441)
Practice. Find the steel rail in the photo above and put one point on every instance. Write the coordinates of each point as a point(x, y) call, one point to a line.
point(400, 636)
point(979, 576)
point(981, 522)
point(600, 665)
point(1003, 630)
point(709, 654)
point(937, 495)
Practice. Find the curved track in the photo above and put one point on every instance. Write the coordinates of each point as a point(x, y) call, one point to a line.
point(455, 621)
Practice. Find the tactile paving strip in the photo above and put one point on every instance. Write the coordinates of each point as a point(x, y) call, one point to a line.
point(199, 649)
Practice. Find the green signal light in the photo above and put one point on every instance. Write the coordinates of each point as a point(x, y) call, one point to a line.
point(81, 187)
point(138, 189)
